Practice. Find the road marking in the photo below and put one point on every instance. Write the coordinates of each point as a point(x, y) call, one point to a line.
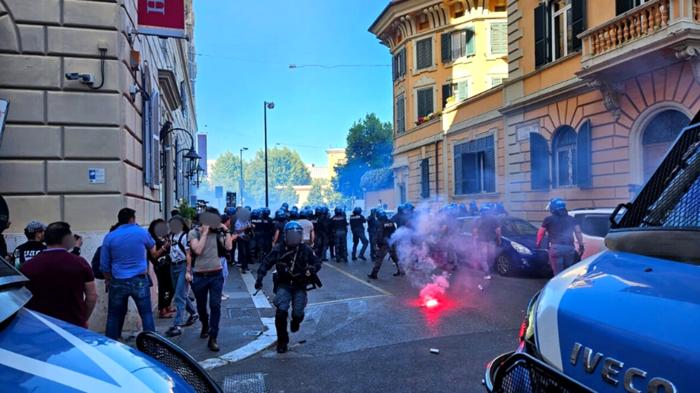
point(260, 300)
point(376, 288)
point(345, 300)
point(266, 339)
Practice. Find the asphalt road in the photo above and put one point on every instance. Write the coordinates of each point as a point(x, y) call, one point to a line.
point(361, 336)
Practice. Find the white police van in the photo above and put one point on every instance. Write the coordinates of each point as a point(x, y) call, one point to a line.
point(628, 318)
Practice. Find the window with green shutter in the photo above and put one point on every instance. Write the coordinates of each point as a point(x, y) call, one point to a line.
point(401, 114)
point(425, 178)
point(424, 97)
point(499, 38)
point(424, 53)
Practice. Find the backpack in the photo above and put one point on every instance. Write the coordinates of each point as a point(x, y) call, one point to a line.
point(96, 271)
point(179, 243)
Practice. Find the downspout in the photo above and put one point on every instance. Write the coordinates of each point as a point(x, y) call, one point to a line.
point(437, 178)
point(446, 178)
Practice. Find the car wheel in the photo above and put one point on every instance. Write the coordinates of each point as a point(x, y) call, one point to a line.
point(503, 266)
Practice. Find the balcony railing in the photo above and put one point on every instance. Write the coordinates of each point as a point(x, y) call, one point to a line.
point(635, 24)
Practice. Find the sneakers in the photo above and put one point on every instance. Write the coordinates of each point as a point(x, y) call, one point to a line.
point(212, 345)
point(191, 320)
point(487, 277)
point(173, 331)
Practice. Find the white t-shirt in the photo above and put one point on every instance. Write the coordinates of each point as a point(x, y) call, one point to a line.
point(307, 226)
point(178, 252)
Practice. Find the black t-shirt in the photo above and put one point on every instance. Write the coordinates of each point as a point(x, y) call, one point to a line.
point(560, 229)
point(486, 228)
point(357, 222)
point(26, 251)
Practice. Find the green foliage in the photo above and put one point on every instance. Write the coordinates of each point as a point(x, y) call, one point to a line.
point(186, 211)
point(369, 147)
point(226, 171)
point(377, 179)
point(318, 187)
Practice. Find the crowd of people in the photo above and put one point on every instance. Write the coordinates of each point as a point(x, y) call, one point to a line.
point(193, 256)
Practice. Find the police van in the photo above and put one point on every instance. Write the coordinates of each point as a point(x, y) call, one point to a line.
point(628, 318)
point(42, 354)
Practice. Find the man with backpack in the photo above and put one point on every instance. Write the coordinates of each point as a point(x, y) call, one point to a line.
point(208, 244)
point(179, 256)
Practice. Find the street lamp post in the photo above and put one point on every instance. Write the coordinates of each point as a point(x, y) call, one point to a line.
point(240, 183)
point(266, 106)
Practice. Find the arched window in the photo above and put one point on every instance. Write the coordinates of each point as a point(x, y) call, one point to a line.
point(564, 157)
point(658, 136)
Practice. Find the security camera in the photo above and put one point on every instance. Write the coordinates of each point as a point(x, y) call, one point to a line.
point(133, 90)
point(86, 79)
point(72, 76)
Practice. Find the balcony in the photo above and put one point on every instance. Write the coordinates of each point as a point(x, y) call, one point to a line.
point(652, 35)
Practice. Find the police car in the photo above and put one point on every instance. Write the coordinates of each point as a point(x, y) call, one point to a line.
point(626, 319)
point(42, 354)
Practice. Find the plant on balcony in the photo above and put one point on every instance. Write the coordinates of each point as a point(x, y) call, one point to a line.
point(426, 118)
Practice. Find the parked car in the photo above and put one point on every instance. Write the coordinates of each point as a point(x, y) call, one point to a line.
point(625, 319)
point(595, 224)
point(517, 253)
point(42, 354)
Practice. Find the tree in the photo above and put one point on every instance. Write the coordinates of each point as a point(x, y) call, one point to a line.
point(369, 147)
point(318, 187)
point(226, 172)
point(286, 169)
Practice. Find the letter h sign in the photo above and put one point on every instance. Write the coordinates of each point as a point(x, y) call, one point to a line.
point(155, 6)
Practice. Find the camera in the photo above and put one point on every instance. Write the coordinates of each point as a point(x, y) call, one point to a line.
point(85, 79)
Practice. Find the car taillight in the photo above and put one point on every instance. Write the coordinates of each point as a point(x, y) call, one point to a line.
point(523, 329)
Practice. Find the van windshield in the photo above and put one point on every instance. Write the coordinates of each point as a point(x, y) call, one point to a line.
point(11, 283)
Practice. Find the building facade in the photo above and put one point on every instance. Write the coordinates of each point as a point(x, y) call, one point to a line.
point(79, 152)
point(596, 92)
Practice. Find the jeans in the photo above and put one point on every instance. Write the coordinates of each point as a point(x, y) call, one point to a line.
point(357, 237)
point(182, 287)
point(487, 255)
point(286, 295)
point(139, 289)
point(165, 285)
point(561, 257)
point(243, 253)
point(211, 287)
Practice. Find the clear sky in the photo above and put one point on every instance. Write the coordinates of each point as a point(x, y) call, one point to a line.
point(244, 52)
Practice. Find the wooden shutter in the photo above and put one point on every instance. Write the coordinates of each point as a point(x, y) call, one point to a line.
point(542, 39)
point(402, 62)
point(471, 173)
point(425, 102)
point(499, 38)
point(446, 47)
point(584, 172)
point(155, 134)
point(394, 67)
point(401, 115)
point(470, 47)
point(578, 21)
point(459, 180)
point(539, 162)
point(489, 160)
point(446, 93)
point(424, 53)
point(425, 178)
point(623, 6)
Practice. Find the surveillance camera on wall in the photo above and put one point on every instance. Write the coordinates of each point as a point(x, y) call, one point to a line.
point(86, 79)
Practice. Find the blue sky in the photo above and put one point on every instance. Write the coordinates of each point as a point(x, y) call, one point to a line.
point(244, 52)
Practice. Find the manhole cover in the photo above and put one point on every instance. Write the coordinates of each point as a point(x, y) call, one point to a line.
point(245, 383)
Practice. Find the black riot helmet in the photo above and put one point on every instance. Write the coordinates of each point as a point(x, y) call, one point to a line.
point(381, 215)
point(265, 213)
point(338, 211)
point(293, 234)
point(357, 211)
point(281, 215)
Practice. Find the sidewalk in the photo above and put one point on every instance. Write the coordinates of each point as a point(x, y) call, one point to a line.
point(242, 331)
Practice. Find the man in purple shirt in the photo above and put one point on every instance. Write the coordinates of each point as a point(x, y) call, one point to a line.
point(125, 267)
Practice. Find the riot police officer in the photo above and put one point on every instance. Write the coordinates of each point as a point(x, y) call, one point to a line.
point(296, 267)
point(560, 227)
point(323, 233)
point(357, 227)
point(384, 229)
point(339, 224)
point(280, 222)
point(371, 229)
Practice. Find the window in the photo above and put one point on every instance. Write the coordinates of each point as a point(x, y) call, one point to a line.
point(626, 5)
point(496, 80)
point(658, 137)
point(460, 90)
point(564, 155)
point(424, 53)
point(424, 99)
point(557, 25)
point(597, 225)
point(398, 64)
point(475, 166)
point(425, 178)
point(499, 38)
point(401, 114)
point(457, 44)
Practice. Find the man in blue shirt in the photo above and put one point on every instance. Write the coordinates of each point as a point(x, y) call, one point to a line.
point(125, 267)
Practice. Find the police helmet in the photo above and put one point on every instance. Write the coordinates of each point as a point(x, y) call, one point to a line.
point(556, 204)
point(265, 212)
point(338, 211)
point(285, 206)
point(357, 211)
point(305, 213)
point(401, 208)
point(293, 234)
point(381, 214)
point(487, 208)
point(281, 215)
point(293, 215)
point(409, 207)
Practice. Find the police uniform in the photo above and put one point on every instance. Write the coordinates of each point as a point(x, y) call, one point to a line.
point(357, 227)
point(371, 228)
point(339, 224)
point(295, 268)
point(323, 234)
point(384, 229)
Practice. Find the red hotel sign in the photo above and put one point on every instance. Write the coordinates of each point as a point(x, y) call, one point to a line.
point(164, 18)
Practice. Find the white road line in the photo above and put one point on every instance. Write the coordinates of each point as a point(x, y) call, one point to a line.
point(344, 300)
point(260, 300)
point(376, 288)
point(268, 338)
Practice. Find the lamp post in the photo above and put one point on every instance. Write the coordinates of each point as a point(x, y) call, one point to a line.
point(266, 106)
point(240, 184)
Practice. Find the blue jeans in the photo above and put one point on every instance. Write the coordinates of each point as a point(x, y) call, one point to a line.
point(182, 287)
point(209, 288)
point(295, 296)
point(139, 289)
point(561, 257)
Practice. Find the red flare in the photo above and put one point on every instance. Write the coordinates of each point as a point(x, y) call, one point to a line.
point(431, 303)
